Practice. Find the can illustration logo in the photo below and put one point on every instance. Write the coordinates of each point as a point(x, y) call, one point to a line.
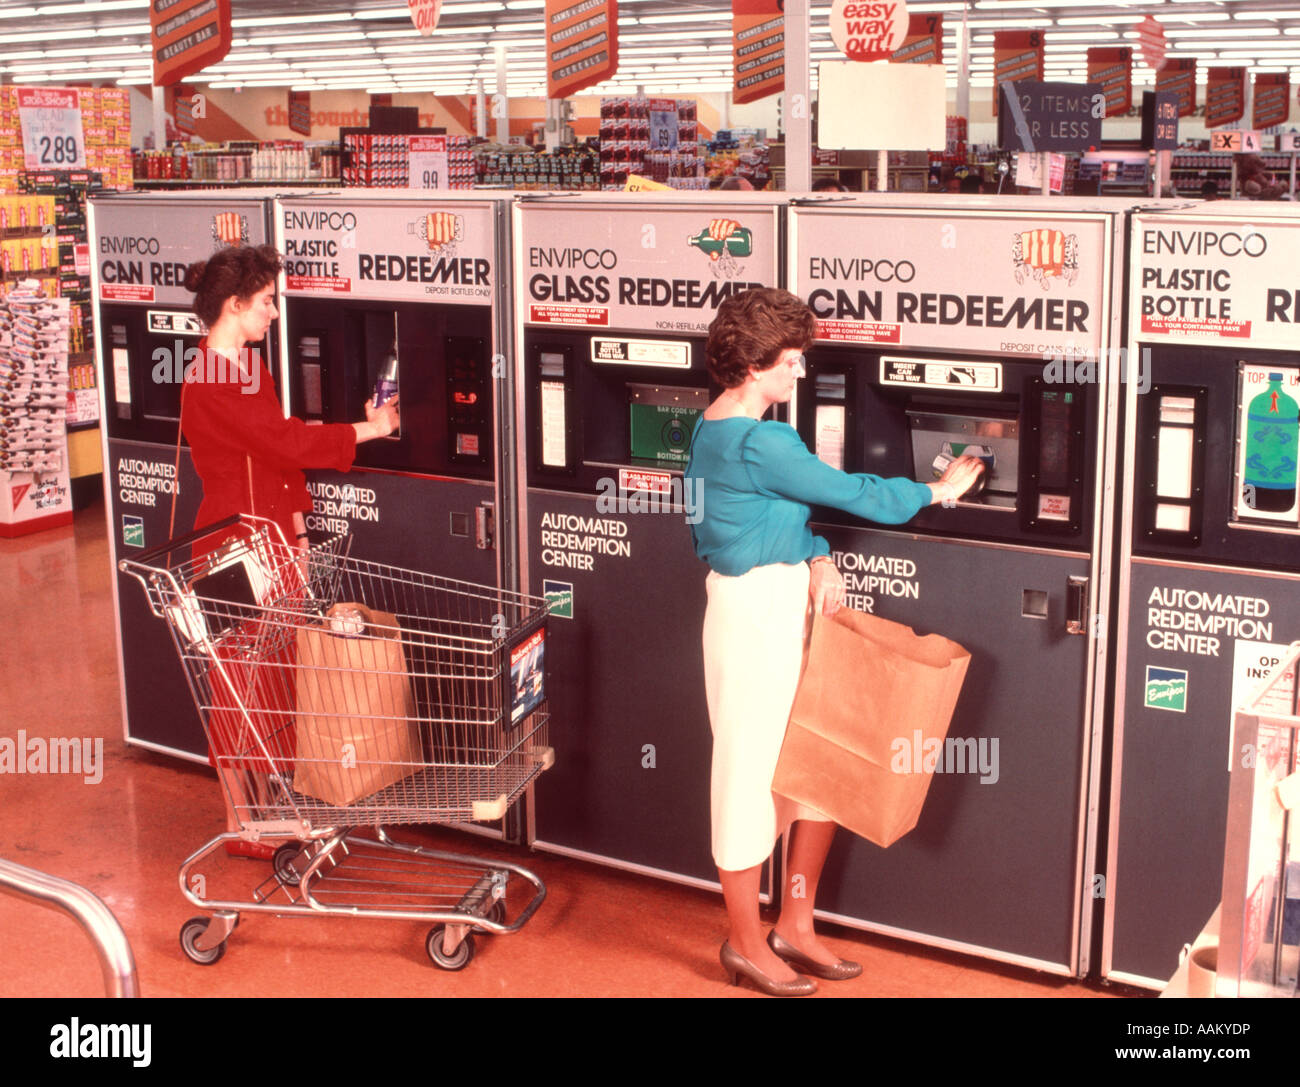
point(441, 230)
point(1166, 689)
point(1045, 254)
point(229, 228)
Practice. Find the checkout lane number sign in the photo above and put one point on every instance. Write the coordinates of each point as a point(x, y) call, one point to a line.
point(51, 123)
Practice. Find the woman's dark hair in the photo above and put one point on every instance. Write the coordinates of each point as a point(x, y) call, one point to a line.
point(752, 329)
point(238, 272)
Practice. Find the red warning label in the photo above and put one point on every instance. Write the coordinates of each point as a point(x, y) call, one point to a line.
point(568, 315)
point(859, 332)
point(1191, 326)
point(125, 292)
point(319, 284)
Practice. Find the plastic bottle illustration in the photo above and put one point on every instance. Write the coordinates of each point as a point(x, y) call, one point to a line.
point(738, 244)
point(1272, 434)
point(386, 386)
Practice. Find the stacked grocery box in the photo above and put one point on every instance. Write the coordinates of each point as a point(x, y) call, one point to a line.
point(11, 142)
point(106, 128)
point(68, 190)
point(379, 160)
point(35, 491)
point(656, 138)
point(515, 167)
point(28, 244)
point(954, 152)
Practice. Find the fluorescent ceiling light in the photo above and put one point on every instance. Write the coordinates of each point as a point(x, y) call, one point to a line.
point(108, 50)
point(701, 17)
point(1006, 24)
point(16, 13)
point(1266, 13)
point(280, 20)
point(306, 39)
point(1226, 32)
point(41, 36)
point(1095, 20)
point(658, 37)
point(1090, 36)
point(93, 7)
point(1194, 17)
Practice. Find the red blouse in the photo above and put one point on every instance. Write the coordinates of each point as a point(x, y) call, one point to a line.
point(236, 433)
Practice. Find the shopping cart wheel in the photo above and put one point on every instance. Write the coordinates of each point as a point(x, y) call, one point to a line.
point(497, 912)
point(457, 961)
point(282, 863)
point(191, 931)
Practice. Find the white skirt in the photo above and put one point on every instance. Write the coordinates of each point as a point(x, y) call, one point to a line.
point(753, 645)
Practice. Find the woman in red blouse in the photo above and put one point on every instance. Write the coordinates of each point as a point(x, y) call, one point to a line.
point(248, 455)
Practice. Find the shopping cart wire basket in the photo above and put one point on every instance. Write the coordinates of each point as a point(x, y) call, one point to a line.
point(340, 697)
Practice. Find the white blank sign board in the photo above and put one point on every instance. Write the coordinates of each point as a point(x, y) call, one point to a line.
point(881, 106)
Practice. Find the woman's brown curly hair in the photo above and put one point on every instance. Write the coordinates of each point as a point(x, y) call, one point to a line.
point(238, 272)
point(752, 329)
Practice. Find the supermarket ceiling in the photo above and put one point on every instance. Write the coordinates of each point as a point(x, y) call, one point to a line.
point(665, 46)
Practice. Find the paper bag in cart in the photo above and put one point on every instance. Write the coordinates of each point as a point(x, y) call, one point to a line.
point(868, 683)
point(356, 735)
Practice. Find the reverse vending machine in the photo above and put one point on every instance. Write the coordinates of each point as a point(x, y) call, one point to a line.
point(979, 327)
point(411, 293)
point(141, 245)
point(1209, 585)
point(614, 298)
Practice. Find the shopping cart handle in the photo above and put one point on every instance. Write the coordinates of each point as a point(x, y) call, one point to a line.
point(181, 541)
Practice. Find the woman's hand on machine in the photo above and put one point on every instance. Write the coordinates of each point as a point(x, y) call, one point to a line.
point(825, 585)
point(380, 421)
point(958, 478)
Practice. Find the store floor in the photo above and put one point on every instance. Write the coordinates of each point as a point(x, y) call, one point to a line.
point(600, 932)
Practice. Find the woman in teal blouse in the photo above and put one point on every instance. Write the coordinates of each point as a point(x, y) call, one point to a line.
point(767, 570)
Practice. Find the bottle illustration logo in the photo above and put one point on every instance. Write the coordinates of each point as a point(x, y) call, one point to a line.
point(1045, 255)
point(441, 230)
point(229, 228)
point(725, 241)
point(1272, 434)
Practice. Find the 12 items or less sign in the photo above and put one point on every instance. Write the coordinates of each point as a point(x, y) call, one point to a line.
point(51, 124)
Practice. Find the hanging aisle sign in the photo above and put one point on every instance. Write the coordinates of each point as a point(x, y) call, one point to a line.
point(424, 14)
point(758, 49)
point(581, 44)
point(1113, 69)
point(1225, 96)
point(924, 41)
point(1271, 104)
point(186, 36)
point(1178, 77)
point(868, 31)
point(1151, 40)
point(1017, 54)
point(1038, 116)
point(51, 122)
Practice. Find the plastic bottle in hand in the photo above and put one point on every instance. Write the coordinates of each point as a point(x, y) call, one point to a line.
point(386, 386)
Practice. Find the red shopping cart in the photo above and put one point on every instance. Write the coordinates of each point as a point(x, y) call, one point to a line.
point(341, 697)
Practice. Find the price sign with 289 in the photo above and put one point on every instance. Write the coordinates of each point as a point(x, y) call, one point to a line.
point(51, 125)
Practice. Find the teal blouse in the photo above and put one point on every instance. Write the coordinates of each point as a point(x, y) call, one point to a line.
point(757, 482)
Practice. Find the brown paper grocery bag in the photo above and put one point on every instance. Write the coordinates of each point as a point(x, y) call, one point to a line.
point(355, 730)
point(867, 687)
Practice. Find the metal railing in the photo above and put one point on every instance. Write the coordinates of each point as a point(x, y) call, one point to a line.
point(88, 910)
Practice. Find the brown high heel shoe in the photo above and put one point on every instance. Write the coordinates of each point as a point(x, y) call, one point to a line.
point(737, 965)
point(840, 971)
